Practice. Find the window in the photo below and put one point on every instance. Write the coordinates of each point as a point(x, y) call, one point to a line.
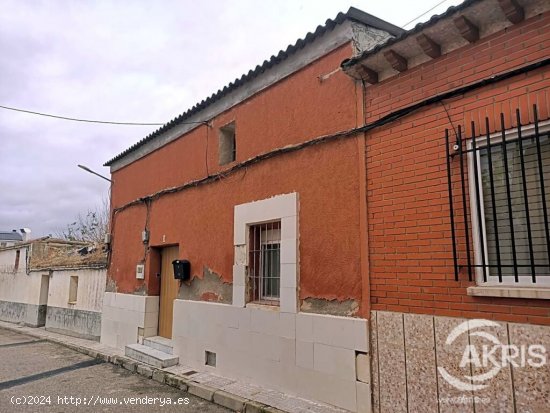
point(499, 204)
point(270, 259)
point(228, 144)
point(73, 289)
point(499, 192)
point(17, 257)
point(265, 263)
point(513, 218)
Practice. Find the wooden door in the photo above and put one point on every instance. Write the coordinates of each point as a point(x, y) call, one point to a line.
point(168, 291)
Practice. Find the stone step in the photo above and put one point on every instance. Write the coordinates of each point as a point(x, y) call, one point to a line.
point(159, 343)
point(150, 356)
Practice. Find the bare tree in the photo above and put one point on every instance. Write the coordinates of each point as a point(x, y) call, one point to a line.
point(89, 227)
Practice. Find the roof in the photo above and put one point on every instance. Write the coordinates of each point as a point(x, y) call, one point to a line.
point(47, 240)
point(416, 29)
point(69, 256)
point(10, 236)
point(352, 14)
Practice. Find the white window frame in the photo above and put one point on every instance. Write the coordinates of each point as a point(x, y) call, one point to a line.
point(492, 280)
point(283, 208)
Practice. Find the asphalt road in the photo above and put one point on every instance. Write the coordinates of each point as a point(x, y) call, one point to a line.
point(37, 376)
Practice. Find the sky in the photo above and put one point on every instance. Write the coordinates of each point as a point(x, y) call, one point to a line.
point(127, 61)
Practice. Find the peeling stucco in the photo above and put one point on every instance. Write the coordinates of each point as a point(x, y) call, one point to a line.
point(333, 307)
point(210, 287)
point(141, 290)
point(111, 286)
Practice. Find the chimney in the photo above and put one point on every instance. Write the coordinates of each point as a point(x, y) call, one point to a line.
point(26, 233)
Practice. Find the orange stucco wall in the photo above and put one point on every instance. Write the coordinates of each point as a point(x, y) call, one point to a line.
point(200, 220)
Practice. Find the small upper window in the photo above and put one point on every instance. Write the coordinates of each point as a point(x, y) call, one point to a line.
point(228, 144)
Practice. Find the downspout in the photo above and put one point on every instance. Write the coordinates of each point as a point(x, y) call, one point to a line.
point(360, 91)
point(28, 257)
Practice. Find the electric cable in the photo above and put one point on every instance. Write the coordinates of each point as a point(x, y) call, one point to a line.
point(89, 120)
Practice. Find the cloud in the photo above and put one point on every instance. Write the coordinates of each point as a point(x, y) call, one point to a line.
point(135, 61)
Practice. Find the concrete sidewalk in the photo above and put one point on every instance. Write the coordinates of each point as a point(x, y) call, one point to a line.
point(233, 394)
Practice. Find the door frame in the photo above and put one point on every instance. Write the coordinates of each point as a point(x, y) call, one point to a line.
point(168, 290)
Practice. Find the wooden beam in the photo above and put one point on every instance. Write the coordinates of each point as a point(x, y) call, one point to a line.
point(467, 29)
point(397, 61)
point(429, 47)
point(512, 10)
point(368, 75)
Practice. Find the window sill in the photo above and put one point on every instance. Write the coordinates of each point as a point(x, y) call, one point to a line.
point(72, 303)
point(540, 293)
point(263, 306)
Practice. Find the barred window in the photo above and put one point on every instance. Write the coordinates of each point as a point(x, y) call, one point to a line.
point(265, 263)
point(525, 243)
point(499, 194)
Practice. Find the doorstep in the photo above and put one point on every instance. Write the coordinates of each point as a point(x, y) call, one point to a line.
point(233, 394)
point(151, 356)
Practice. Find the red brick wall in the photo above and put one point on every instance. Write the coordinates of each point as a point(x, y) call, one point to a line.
point(410, 247)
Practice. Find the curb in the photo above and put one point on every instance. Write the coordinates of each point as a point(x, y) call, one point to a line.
point(203, 391)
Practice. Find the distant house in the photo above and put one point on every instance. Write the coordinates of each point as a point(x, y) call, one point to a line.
point(53, 283)
point(8, 238)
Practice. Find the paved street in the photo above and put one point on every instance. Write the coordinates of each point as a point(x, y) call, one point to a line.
point(38, 376)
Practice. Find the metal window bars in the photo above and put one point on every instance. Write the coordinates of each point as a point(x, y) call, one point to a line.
point(498, 185)
point(264, 271)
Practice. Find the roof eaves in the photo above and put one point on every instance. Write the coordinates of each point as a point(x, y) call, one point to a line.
point(416, 29)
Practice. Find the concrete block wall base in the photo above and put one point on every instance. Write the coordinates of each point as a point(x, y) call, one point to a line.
point(128, 318)
point(310, 356)
point(74, 322)
point(32, 315)
point(228, 393)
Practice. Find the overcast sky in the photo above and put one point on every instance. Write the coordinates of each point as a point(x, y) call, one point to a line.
point(137, 61)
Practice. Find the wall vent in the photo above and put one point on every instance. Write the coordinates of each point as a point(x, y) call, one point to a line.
point(210, 358)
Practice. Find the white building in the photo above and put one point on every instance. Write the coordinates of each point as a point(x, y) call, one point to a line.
point(53, 283)
point(9, 238)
